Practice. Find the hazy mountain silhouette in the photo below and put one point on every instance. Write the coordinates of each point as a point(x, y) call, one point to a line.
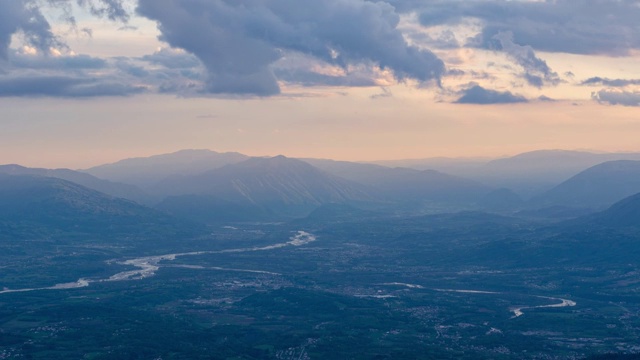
point(32, 204)
point(147, 171)
point(624, 213)
point(403, 184)
point(125, 191)
point(597, 187)
point(277, 184)
point(534, 172)
point(528, 174)
point(455, 166)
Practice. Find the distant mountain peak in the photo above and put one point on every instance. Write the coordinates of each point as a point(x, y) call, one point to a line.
point(147, 171)
point(596, 187)
point(276, 183)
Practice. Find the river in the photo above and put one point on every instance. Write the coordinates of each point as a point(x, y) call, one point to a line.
point(147, 266)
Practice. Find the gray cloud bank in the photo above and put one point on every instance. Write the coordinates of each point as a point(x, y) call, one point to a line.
point(244, 46)
point(606, 27)
point(238, 40)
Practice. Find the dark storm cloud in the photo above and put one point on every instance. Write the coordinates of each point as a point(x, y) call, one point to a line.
point(610, 82)
point(479, 95)
point(238, 40)
point(615, 97)
point(63, 86)
point(573, 26)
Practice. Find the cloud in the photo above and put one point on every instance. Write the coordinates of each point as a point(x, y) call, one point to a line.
point(445, 39)
point(617, 97)
point(536, 71)
point(610, 82)
point(63, 86)
point(296, 68)
point(65, 62)
point(311, 78)
point(111, 9)
point(479, 95)
point(455, 72)
point(24, 16)
point(238, 41)
point(545, 98)
point(173, 59)
point(386, 93)
point(603, 27)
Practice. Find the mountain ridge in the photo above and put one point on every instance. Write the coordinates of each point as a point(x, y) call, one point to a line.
point(125, 191)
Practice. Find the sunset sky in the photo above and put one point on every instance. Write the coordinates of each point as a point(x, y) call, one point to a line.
point(85, 82)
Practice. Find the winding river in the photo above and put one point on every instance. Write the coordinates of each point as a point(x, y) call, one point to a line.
point(147, 266)
point(517, 311)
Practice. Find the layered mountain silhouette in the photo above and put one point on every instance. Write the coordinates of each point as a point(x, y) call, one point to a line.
point(125, 191)
point(624, 213)
point(278, 184)
point(552, 165)
point(528, 174)
point(403, 184)
point(148, 171)
point(30, 205)
point(597, 187)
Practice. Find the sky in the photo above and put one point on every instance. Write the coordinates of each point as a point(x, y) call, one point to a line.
point(86, 82)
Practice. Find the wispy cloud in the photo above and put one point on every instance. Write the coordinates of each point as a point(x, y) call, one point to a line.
point(536, 71)
point(63, 86)
point(610, 82)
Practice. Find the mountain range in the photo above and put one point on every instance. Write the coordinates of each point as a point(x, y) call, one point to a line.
point(404, 184)
point(211, 187)
point(34, 205)
point(126, 191)
point(597, 187)
point(528, 174)
point(147, 171)
point(277, 184)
